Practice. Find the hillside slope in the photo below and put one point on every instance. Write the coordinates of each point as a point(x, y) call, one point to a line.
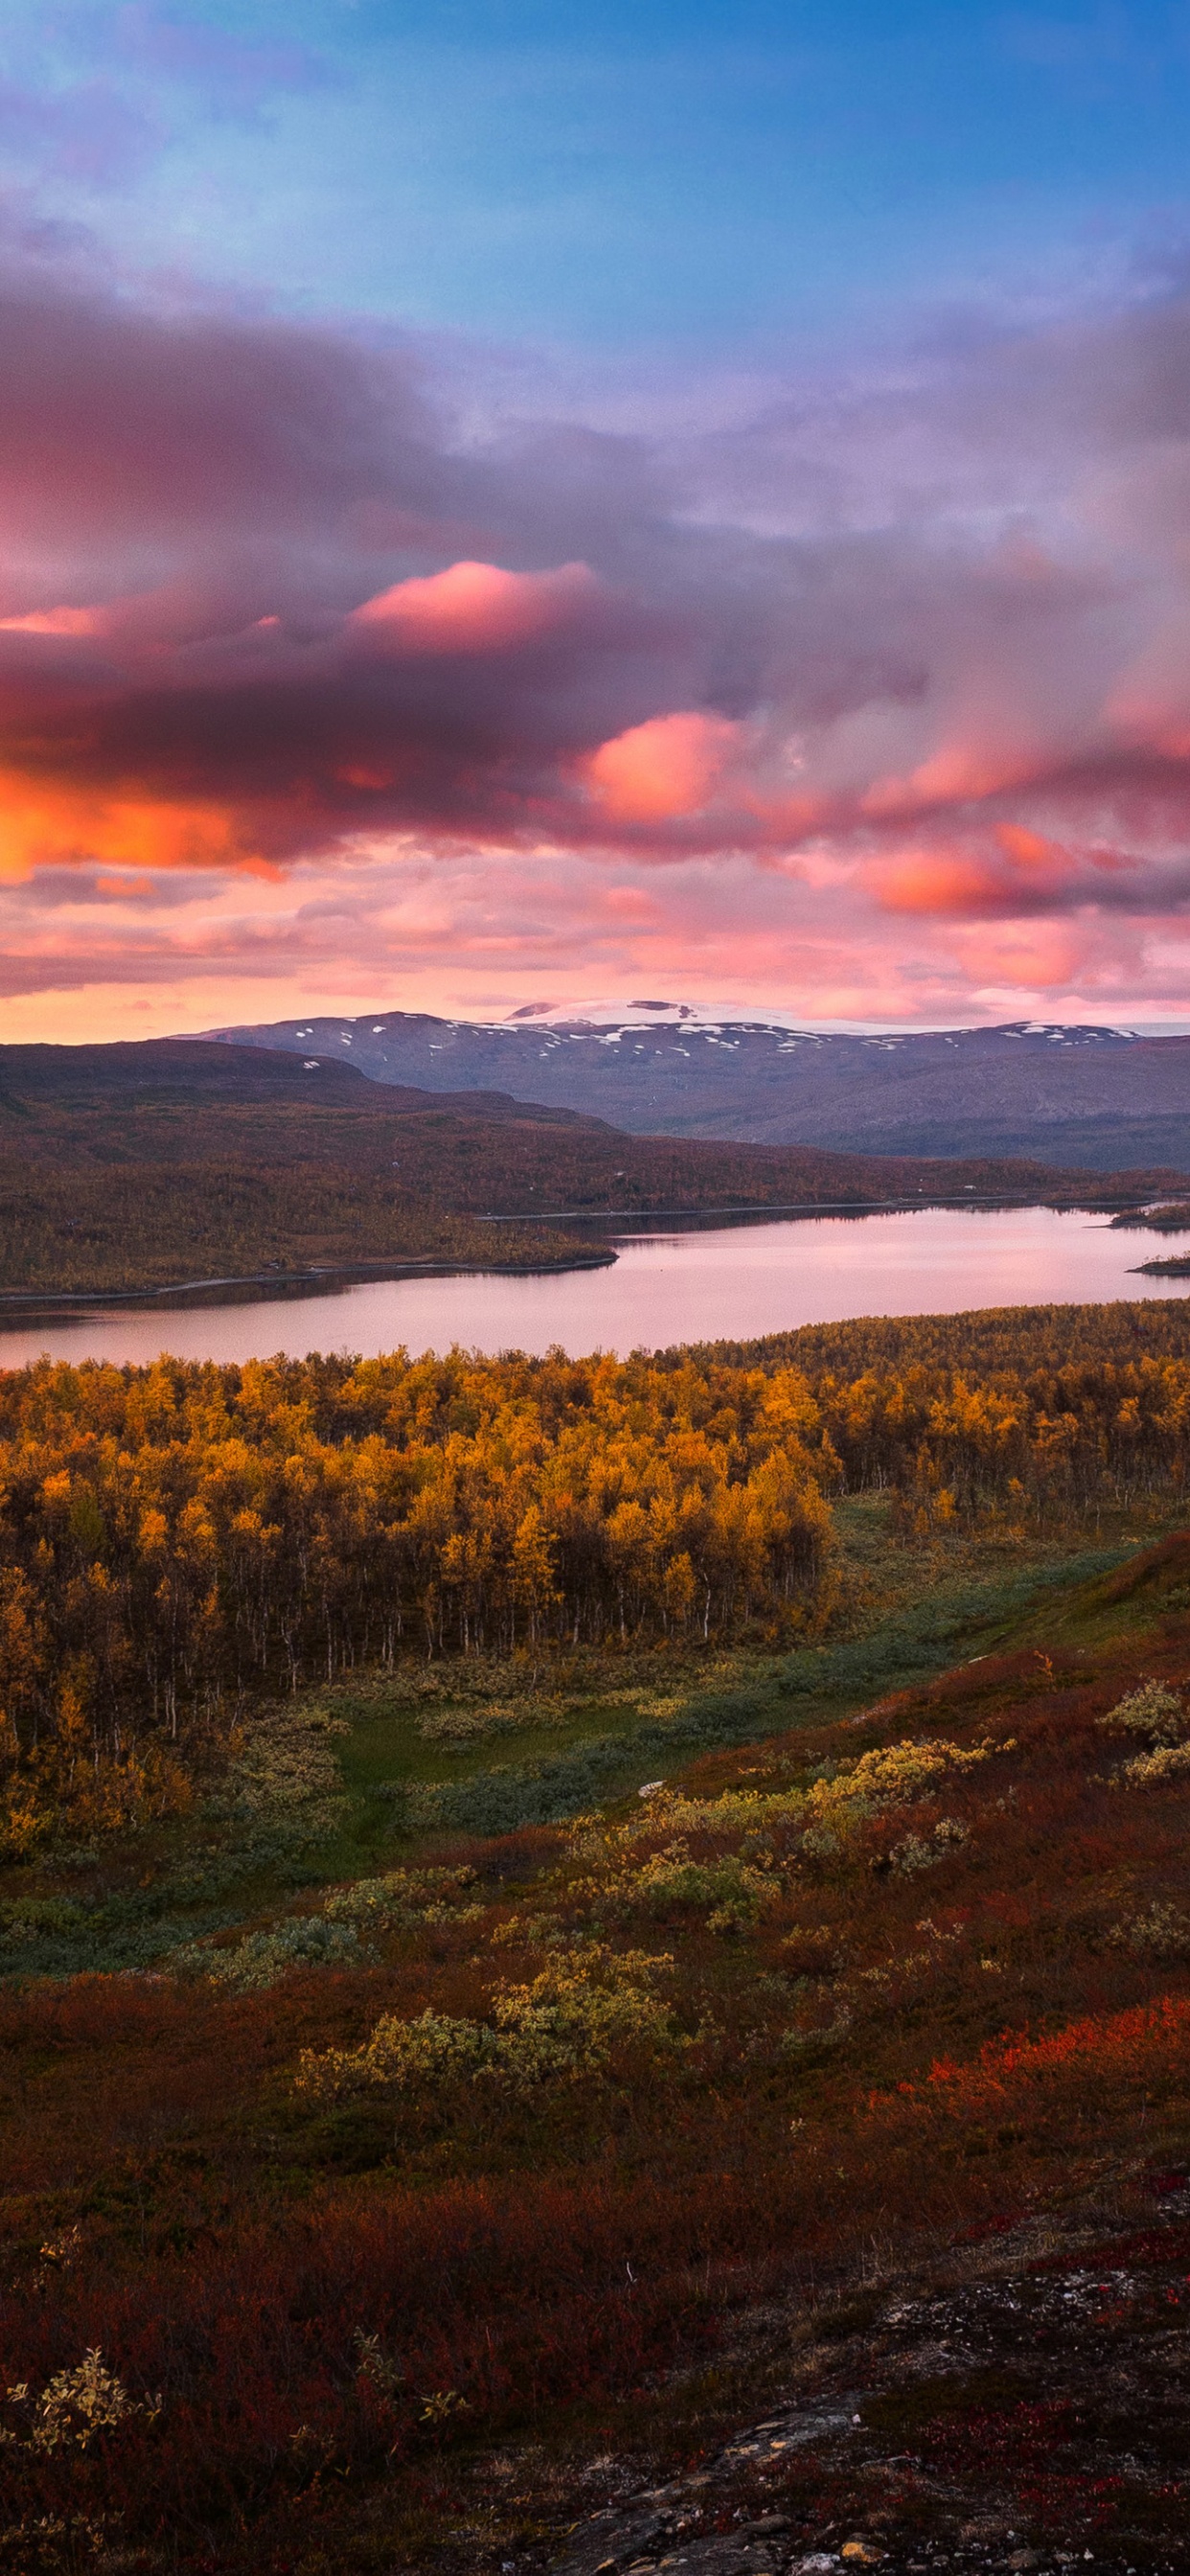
point(1096, 1097)
point(783, 2169)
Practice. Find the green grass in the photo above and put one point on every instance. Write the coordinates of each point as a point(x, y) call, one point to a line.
point(545, 1759)
point(487, 1748)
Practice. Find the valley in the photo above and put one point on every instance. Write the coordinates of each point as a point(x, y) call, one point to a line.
point(583, 1942)
point(181, 1165)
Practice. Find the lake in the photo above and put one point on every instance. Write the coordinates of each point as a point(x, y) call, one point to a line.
point(726, 1282)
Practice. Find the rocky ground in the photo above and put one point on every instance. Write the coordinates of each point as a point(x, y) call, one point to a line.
point(1031, 2411)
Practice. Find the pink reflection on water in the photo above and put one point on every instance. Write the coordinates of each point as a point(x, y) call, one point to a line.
point(733, 1283)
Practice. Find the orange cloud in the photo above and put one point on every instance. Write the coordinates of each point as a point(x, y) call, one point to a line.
point(56, 621)
point(1028, 869)
point(927, 883)
point(58, 827)
point(1028, 849)
point(1033, 957)
point(663, 769)
point(475, 608)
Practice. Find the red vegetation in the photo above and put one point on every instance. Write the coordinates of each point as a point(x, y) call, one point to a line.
point(973, 2036)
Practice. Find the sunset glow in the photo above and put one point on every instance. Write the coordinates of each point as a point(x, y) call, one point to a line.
point(475, 608)
point(661, 771)
point(375, 644)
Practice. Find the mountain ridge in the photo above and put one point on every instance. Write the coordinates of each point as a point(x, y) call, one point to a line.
point(1094, 1096)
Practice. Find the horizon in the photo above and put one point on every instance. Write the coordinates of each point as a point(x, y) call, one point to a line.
point(758, 1016)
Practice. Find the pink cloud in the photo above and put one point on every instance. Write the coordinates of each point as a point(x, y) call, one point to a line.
point(56, 621)
point(476, 608)
point(662, 770)
point(961, 772)
point(432, 930)
point(890, 738)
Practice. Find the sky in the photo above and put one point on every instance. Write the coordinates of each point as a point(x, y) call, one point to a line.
point(505, 503)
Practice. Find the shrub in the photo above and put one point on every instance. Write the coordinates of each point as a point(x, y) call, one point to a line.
point(890, 1777)
point(672, 1878)
point(916, 1853)
point(1162, 1932)
point(262, 1957)
point(404, 1899)
point(284, 1786)
point(1155, 1770)
point(74, 2408)
point(1153, 1711)
point(566, 2023)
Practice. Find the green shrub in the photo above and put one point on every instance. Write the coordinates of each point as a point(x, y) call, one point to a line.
point(262, 1957)
point(565, 2024)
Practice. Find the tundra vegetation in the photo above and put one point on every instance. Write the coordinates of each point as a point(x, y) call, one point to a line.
point(515, 1869)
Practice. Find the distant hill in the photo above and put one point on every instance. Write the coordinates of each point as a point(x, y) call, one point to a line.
point(169, 1163)
point(1097, 1098)
point(185, 1102)
point(166, 1073)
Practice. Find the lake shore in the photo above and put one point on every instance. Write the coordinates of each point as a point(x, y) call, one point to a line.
point(324, 1280)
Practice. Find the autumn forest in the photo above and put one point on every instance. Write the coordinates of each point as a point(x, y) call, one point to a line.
point(178, 1539)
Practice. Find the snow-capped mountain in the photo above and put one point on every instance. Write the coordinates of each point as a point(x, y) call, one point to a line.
point(1093, 1096)
point(640, 1015)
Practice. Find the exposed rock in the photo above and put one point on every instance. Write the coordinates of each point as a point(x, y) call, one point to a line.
point(1031, 2417)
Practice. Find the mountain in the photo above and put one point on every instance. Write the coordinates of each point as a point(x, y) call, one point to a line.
point(1099, 1098)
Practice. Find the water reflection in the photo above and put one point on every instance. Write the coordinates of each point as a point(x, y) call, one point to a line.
point(730, 1283)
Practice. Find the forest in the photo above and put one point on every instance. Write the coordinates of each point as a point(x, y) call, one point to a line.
point(179, 1540)
point(129, 1227)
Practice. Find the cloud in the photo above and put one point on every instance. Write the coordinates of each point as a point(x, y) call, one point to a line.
point(89, 132)
point(222, 72)
point(475, 608)
point(56, 621)
point(662, 770)
point(902, 652)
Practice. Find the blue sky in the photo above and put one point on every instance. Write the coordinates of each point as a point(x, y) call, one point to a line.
point(698, 177)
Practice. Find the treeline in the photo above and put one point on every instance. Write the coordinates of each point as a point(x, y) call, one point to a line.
point(1038, 1412)
point(1042, 1447)
point(174, 1540)
point(107, 1229)
point(999, 1341)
